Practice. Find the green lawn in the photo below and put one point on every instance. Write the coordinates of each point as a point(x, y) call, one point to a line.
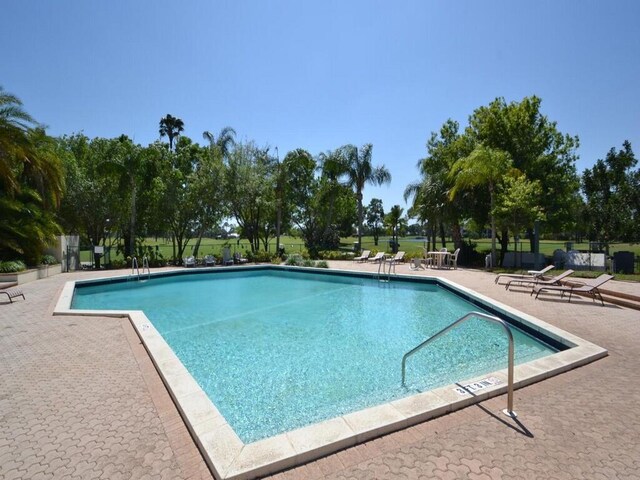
point(411, 245)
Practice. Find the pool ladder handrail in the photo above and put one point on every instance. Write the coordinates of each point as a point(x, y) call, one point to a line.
point(381, 265)
point(509, 410)
point(135, 269)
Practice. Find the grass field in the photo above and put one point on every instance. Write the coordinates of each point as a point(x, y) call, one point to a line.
point(413, 246)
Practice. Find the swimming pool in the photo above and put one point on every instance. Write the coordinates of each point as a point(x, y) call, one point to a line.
point(293, 348)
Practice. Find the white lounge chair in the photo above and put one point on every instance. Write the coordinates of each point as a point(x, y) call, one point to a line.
point(209, 260)
point(189, 261)
point(583, 288)
point(539, 280)
point(399, 257)
point(530, 274)
point(239, 259)
point(364, 256)
point(379, 257)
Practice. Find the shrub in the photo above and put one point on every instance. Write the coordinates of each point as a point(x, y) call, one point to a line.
point(260, 256)
point(294, 260)
point(308, 263)
point(333, 255)
point(12, 266)
point(48, 260)
point(322, 264)
point(117, 263)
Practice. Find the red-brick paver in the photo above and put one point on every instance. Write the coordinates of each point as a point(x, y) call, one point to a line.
point(79, 398)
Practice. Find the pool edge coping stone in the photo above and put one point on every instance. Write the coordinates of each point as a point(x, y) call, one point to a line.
point(229, 458)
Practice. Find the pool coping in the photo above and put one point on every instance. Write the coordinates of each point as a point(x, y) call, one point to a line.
point(229, 458)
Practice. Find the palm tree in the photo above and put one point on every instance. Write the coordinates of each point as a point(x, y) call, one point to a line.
point(332, 167)
point(359, 172)
point(225, 141)
point(394, 221)
point(483, 167)
point(31, 183)
point(171, 127)
point(14, 142)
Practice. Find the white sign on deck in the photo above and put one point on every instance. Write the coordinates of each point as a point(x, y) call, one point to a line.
point(479, 385)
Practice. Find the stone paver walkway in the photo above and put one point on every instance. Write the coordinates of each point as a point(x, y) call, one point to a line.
point(79, 398)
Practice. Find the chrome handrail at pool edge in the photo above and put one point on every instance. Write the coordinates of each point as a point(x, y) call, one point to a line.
point(509, 410)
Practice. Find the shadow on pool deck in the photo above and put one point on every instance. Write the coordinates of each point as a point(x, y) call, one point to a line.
point(81, 398)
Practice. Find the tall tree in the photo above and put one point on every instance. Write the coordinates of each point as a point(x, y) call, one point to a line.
point(431, 201)
point(538, 149)
point(517, 204)
point(484, 167)
point(171, 127)
point(249, 187)
point(125, 163)
point(15, 122)
point(395, 221)
point(225, 141)
point(612, 191)
point(375, 218)
point(31, 183)
point(332, 167)
point(359, 172)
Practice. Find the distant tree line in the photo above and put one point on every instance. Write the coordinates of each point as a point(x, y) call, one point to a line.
point(512, 168)
point(509, 169)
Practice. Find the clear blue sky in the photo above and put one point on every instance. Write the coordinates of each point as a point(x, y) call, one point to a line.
point(318, 75)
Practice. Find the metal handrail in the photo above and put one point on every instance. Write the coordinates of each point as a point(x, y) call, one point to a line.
point(509, 410)
point(145, 265)
point(134, 266)
point(381, 265)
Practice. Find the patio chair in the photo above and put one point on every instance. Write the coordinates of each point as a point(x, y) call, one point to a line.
point(189, 262)
point(227, 259)
point(209, 261)
point(239, 259)
point(399, 257)
point(539, 280)
point(530, 274)
point(364, 256)
point(590, 289)
point(378, 257)
point(416, 263)
point(452, 261)
point(13, 293)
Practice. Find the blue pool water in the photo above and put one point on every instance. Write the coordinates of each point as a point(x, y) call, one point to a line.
point(276, 350)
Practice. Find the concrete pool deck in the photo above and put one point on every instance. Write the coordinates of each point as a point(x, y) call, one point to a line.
point(80, 398)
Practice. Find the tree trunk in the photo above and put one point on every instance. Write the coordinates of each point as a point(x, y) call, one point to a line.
point(443, 238)
point(456, 235)
point(504, 243)
point(132, 223)
point(493, 228)
point(359, 197)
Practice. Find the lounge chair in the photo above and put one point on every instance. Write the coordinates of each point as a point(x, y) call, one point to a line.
point(583, 288)
point(539, 281)
point(452, 261)
point(13, 293)
point(379, 257)
point(209, 261)
point(189, 262)
point(530, 274)
point(227, 259)
point(239, 259)
point(399, 257)
point(364, 256)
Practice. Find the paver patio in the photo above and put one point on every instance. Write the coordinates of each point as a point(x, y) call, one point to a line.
point(80, 398)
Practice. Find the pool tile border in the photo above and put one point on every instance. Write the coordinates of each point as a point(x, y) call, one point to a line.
point(229, 458)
